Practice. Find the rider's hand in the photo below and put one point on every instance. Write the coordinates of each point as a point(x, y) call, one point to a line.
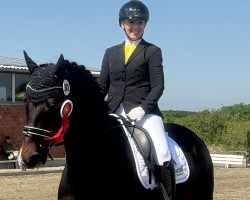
point(136, 114)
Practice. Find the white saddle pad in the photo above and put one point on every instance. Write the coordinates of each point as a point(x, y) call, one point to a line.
point(181, 164)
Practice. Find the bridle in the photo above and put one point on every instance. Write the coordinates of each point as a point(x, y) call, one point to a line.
point(66, 109)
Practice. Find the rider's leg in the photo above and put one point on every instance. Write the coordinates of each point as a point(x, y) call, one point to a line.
point(154, 125)
point(164, 171)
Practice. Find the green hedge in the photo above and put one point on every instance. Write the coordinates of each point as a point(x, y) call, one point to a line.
point(227, 128)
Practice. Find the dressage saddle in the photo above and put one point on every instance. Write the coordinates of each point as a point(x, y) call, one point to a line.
point(164, 175)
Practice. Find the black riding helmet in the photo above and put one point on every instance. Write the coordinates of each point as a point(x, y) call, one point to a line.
point(134, 9)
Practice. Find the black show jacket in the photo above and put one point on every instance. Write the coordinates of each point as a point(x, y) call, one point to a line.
point(139, 82)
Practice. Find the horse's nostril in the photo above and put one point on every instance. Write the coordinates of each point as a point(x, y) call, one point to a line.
point(33, 161)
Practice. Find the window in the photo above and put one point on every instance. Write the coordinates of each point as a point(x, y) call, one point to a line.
point(5, 87)
point(21, 80)
point(7, 91)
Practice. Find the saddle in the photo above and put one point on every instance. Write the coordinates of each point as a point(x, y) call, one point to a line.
point(143, 143)
point(142, 147)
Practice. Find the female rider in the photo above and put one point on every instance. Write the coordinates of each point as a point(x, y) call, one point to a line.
point(132, 77)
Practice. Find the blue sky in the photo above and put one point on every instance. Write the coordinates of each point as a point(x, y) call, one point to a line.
point(205, 43)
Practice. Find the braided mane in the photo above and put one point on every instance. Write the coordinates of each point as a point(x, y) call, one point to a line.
point(75, 72)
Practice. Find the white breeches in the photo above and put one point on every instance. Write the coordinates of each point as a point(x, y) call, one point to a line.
point(154, 125)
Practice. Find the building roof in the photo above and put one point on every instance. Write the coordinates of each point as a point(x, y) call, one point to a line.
point(17, 64)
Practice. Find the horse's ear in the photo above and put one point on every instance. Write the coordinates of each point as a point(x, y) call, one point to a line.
point(30, 63)
point(60, 61)
point(59, 64)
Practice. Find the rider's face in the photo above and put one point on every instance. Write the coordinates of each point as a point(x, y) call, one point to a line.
point(134, 29)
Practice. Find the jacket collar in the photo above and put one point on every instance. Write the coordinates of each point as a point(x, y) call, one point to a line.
point(140, 46)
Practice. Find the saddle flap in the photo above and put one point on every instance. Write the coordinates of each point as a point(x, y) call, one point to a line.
point(142, 140)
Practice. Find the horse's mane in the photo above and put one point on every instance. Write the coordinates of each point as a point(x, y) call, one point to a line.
point(86, 74)
point(87, 80)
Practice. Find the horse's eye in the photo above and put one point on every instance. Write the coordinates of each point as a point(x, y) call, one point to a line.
point(54, 109)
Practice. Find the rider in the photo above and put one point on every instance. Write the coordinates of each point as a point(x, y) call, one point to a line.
point(132, 76)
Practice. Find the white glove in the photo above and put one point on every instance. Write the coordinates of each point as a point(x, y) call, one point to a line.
point(136, 114)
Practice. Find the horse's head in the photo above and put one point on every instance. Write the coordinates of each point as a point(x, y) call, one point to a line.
point(51, 93)
point(47, 107)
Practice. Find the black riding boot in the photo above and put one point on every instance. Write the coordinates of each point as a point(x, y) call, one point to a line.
point(165, 176)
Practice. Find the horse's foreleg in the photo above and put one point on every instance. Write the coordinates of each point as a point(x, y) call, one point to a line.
point(65, 190)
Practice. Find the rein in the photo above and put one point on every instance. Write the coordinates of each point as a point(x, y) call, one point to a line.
point(55, 140)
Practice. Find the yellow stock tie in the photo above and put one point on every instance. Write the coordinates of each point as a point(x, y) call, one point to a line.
point(129, 48)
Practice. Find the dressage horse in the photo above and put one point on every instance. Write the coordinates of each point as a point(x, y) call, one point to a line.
point(64, 106)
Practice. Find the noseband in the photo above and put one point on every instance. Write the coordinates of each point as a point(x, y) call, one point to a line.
point(33, 131)
point(30, 131)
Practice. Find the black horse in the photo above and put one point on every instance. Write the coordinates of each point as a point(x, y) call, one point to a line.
point(64, 106)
